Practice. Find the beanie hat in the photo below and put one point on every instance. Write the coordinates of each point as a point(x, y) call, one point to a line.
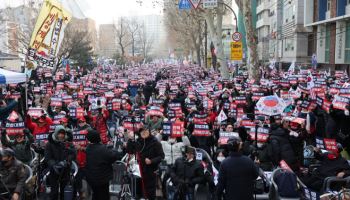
point(8, 152)
point(93, 136)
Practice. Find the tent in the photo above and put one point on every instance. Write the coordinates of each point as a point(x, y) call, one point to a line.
point(10, 77)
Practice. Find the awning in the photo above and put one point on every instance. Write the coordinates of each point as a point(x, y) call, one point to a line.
point(9, 77)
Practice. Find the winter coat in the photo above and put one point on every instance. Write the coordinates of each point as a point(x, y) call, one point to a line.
point(14, 177)
point(189, 172)
point(154, 126)
point(152, 149)
point(22, 150)
point(281, 147)
point(39, 133)
point(99, 160)
point(237, 177)
point(6, 110)
point(331, 167)
point(56, 151)
point(172, 151)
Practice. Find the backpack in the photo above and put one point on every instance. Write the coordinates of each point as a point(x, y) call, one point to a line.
point(287, 184)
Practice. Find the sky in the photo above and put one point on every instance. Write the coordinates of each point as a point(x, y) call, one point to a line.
point(105, 11)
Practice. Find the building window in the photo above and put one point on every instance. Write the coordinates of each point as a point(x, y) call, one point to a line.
point(328, 44)
point(347, 43)
point(328, 5)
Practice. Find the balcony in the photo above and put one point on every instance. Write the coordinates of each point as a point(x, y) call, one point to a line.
point(263, 6)
point(263, 22)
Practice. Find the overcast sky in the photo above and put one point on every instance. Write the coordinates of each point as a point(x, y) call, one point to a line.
point(105, 11)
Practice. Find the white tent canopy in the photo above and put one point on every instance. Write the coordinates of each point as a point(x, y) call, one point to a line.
point(9, 77)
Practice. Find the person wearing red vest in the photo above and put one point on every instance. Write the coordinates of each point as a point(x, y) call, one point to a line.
point(80, 143)
point(99, 122)
point(42, 126)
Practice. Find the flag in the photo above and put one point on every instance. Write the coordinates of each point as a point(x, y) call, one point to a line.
point(222, 116)
point(310, 80)
point(291, 68)
point(48, 33)
point(67, 67)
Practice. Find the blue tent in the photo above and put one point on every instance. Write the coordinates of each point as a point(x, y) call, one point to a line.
point(10, 77)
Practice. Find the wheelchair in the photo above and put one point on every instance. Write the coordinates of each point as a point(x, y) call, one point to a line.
point(274, 194)
point(46, 188)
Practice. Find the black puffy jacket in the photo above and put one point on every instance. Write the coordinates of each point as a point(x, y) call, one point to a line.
point(99, 160)
point(183, 170)
point(281, 147)
point(56, 151)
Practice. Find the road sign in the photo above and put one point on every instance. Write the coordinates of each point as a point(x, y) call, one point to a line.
point(184, 5)
point(195, 3)
point(236, 36)
point(210, 4)
point(236, 51)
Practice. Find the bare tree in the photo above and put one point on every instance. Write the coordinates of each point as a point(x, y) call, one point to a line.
point(145, 40)
point(122, 35)
point(133, 28)
point(186, 27)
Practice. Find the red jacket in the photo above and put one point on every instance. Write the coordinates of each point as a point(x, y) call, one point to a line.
point(36, 130)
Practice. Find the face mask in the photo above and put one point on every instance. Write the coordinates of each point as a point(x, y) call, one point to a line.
point(220, 158)
point(260, 145)
point(346, 112)
point(81, 124)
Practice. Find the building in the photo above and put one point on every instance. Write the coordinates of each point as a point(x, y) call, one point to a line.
point(88, 25)
point(330, 41)
point(280, 31)
point(107, 40)
point(16, 26)
point(155, 33)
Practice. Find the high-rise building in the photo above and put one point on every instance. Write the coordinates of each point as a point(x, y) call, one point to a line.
point(330, 40)
point(107, 40)
point(154, 32)
point(88, 25)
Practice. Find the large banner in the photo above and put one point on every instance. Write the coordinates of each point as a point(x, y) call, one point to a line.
point(47, 34)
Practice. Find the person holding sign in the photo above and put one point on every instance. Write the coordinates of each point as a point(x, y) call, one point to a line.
point(21, 144)
point(332, 164)
point(41, 126)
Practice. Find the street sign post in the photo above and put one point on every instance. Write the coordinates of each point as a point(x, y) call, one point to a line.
point(236, 36)
point(209, 4)
point(195, 3)
point(184, 5)
point(236, 51)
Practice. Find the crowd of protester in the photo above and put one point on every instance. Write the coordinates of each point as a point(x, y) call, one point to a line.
point(204, 129)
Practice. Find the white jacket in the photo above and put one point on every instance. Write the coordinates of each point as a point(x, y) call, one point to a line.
point(172, 151)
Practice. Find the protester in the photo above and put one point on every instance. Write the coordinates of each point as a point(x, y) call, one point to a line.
point(150, 153)
point(186, 173)
point(20, 145)
point(6, 109)
point(13, 175)
point(59, 154)
point(237, 174)
point(98, 168)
